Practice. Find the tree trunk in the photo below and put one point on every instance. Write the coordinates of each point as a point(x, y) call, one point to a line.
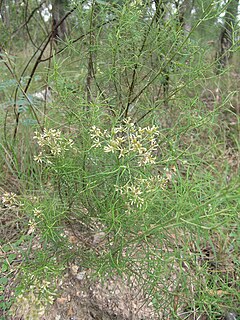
point(224, 53)
point(184, 10)
point(59, 10)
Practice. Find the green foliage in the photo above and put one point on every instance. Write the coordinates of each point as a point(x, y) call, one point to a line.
point(8, 268)
point(136, 153)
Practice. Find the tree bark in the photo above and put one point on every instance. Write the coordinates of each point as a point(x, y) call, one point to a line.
point(59, 10)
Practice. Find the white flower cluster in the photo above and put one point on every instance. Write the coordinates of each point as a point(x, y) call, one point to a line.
point(137, 194)
point(126, 140)
point(52, 144)
point(32, 223)
point(10, 200)
point(151, 184)
point(133, 194)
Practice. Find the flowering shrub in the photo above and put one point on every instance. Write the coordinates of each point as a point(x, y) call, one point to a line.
point(131, 181)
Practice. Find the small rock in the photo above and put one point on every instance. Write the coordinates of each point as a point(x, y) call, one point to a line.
point(98, 237)
point(81, 275)
point(74, 269)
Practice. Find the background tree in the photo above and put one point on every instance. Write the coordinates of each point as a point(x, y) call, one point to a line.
point(227, 34)
point(184, 9)
point(59, 8)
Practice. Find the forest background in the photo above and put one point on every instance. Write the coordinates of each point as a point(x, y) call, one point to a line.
point(119, 125)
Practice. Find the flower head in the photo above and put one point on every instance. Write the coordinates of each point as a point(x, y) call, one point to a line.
point(126, 139)
point(52, 144)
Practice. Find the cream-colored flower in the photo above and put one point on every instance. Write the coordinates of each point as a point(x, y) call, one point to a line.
point(37, 212)
point(109, 148)
point(147, 158)
point(9, 200)
point(51, 141)
point(32, 226)
point(116, 130)
point(39, 157)
point(137, 146)
point(120, 140)
point(96, 143)
point(122, 152)
point(126, 139)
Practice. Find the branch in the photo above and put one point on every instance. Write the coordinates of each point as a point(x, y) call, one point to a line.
point(28, 19)
point(37, 63)
point(134, 74)
point(79, 38)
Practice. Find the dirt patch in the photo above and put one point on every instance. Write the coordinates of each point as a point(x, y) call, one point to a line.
point(115, 298)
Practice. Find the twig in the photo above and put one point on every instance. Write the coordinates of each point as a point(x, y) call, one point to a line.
point(77, 39)
point(28, 19)
point(38, 61)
